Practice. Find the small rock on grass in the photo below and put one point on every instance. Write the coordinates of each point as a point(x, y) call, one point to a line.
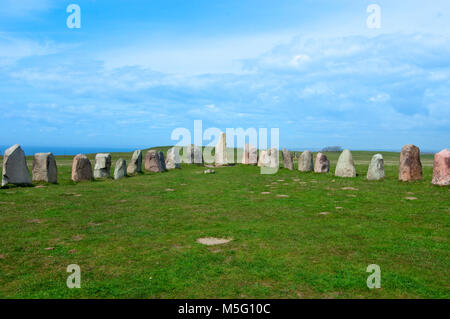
point(282, 196)
point(411, 198)
point(211, 241)
point(324, 213)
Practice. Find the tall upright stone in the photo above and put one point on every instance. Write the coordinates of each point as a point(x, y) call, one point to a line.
point(120, 171)
point(345, 166)
point(173, 158)
point(221, 150)
point(246, 155)
point(376, 168)
point(274, 158)
point(154, 161)
point(288, 161)
point(441, 168)
point(44, 168)
point(81, 168)
point(305, 162)
point(102, 168)
point(250, 155)
point(135, 165)
point(15, 170)
point(322, 164)
point(410, 167)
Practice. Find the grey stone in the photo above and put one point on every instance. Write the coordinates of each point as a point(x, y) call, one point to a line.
point(376, 168)
point(135, 165)
point(305, 162)
point(120, 170)
point(15, 170)
point(192, 154)
point(322, 164)
point(173, 158)
point(288, 161)
point(102, 168)
point(44, 168)
point(154, 161)
point(263, 160)
point(209, 171)
point(81, 168)
point(345, 166)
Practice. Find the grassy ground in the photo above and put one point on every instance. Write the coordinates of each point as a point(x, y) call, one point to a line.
point(134, 238)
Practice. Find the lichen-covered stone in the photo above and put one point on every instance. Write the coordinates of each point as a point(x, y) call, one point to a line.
point(305, 162)
point(376, 168)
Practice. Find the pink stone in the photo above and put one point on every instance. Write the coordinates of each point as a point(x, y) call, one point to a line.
point(441, 168)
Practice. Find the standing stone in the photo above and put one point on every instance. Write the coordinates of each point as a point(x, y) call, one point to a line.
point(253, 155)
point(221, 150)
point(102, 168)
point(410, 168)
point(376, 168)
point(288, 161)
point(273, 156)
point(192, 154)
point(246, 155)
point(135, 165)
point(120, 170)
point(154, 161)
point(305, 162)
point(173, 158)
point(250, 155)
point(441, 168)
point(44, 168)
point(81, 168)
point(322, 164)
point(345, 166)
point(262, 158)
point(15, 170)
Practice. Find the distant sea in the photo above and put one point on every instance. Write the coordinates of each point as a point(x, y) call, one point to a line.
point(69, 150)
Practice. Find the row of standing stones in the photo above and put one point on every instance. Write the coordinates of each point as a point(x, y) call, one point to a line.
point(15, 170)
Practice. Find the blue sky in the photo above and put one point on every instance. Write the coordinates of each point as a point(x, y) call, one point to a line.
point(136, 70)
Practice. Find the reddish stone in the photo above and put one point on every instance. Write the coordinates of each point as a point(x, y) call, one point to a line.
point(410, 167)
point(441, 168)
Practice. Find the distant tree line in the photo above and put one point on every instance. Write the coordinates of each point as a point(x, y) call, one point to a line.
point(332, 149)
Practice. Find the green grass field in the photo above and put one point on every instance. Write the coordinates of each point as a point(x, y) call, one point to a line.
point(133, 238)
